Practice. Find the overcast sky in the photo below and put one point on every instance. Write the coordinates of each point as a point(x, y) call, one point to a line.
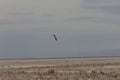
point(83, 28)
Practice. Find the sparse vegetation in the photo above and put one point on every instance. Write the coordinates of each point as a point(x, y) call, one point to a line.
point(91, 71)
point(51, 71)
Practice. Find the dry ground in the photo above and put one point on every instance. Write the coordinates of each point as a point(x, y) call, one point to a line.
point(92, 68)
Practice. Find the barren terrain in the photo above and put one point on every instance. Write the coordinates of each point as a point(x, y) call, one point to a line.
point(84, 68)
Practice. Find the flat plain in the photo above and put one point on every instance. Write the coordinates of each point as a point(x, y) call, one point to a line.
point(83, 68)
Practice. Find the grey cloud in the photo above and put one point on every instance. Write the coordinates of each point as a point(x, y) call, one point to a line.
point(25, 28)
point(23, 20)
point(109, 6)
point(111, 9)
point(48, 15)
point(107, 21)
point(94, 19)
point(21, 13)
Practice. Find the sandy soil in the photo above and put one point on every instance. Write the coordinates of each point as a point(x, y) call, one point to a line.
point(92, 68)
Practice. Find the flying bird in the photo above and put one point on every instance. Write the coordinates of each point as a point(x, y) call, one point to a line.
point(54, 37)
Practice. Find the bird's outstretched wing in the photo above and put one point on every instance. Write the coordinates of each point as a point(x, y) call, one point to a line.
point(55, 37)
